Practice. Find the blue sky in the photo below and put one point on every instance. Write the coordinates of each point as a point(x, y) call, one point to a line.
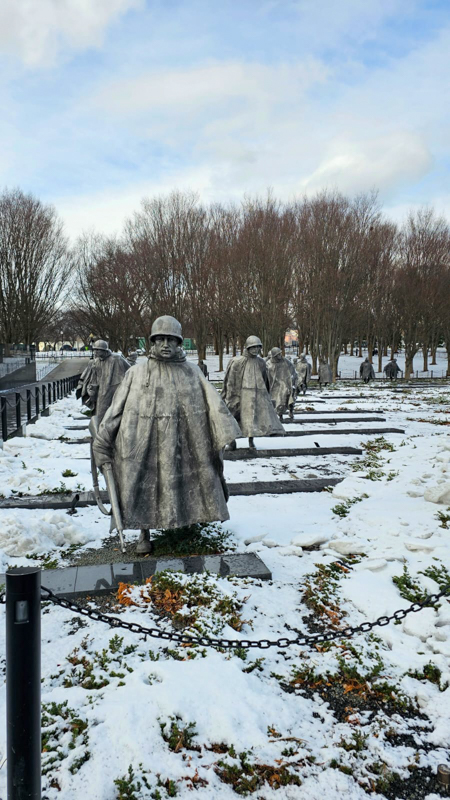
point(107, 101)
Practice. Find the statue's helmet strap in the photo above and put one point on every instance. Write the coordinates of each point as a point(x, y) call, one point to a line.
point(166, 326)
point(100, 344)
point(275, 352)
point(253, 341)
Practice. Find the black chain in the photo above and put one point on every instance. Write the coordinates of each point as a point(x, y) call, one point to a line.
point(229, 644)
point(246, 644)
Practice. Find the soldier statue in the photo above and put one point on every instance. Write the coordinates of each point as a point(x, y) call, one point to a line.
point(325, 374)
point(107, 374)
point(281, 383)
point(366, 371)
point(164, 435)
point(303, 368)
point(246, 394)
point(132, 358)
point(392, 369)
point(292, 364)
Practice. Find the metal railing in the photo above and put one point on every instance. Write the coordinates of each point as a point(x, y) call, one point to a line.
point(17, 409)
point(59, 355)
point(11, 364)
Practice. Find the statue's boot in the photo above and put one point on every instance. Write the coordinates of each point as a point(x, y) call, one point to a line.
point(232, 445)
point(291, 411)
point(144, 544)
point(251, 443)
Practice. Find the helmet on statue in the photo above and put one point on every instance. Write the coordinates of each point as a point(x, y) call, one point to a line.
point(275, 352)
point(166, 326)
point(100, 344)
point(253, 341)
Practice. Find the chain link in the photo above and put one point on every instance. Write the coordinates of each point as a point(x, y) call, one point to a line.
point(308, 640)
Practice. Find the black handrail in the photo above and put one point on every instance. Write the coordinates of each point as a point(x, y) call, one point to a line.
point(43, 396)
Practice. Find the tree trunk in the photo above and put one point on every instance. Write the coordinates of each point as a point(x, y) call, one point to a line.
point(380, 357)
point(351, 347)
point(392, 350)
point(220, 348)
point(433, 355)
point(227, 345)
point(425, 357)
point(360, 349)
point(370, 345)
point(234, 347)
point(216, 345)
point(314, 358)
point(409, 360)
point(334, 365)
point(385, 349)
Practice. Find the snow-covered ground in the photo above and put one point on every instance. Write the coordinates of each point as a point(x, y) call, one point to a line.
point(364, 715)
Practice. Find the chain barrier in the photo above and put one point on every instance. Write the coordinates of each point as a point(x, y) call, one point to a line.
point(308, 640)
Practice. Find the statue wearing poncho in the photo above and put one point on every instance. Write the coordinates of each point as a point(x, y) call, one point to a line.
point(279, 370)
point(164, 434)
point(246, 393)
point(101, 382)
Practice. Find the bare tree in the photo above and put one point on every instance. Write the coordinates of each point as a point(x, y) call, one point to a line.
point(424, 254)
point(35, 267)
point(110, 297)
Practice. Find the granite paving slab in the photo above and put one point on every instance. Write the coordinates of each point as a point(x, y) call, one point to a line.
point(76, 427)
point(292, 486)
point(326, 420)
point(62, 501)
point(244, 454)
point(361, 431)
point(247, 455)
point(340, 432)
point(101, 579)
point(335, 411)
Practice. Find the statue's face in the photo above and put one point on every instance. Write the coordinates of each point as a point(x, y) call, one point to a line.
point(255, 350)
point(166, 346)
point(100, 354)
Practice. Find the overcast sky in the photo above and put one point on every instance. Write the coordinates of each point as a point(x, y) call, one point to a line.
point(103, 102)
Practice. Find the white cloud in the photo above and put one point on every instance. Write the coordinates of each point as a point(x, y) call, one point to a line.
point(384, 162)
point(37, 31)
point(187, 92)
point(107, 210)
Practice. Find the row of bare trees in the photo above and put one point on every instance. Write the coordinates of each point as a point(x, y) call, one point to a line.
point(331, 267)
point(35, 267)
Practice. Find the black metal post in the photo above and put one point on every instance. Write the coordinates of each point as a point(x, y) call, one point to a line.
point(4, 412)
point(37, 400)
point(23, 683)
point(50, 394)
point(18, 412)
point(28, 405)
point(43, 397)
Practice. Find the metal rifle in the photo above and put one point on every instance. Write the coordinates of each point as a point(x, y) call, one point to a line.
point(108, 475)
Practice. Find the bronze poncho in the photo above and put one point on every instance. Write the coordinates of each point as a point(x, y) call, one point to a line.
point(245, 391)
point(108, 375)
point(164, 433)
point(280, 381)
